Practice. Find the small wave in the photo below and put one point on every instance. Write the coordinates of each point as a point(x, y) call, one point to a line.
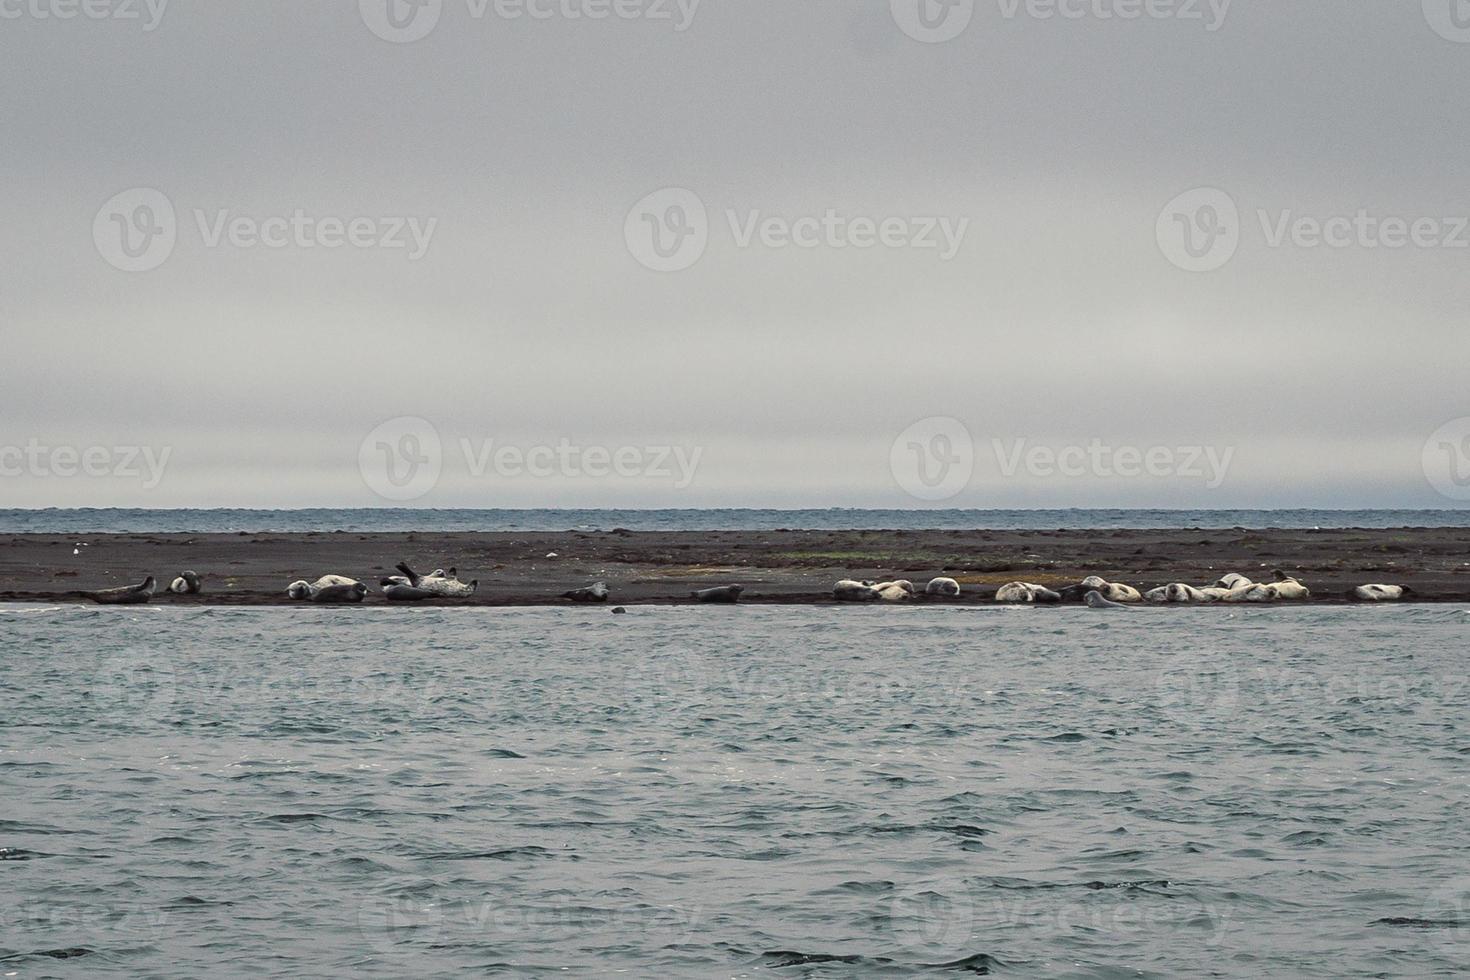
point(981, 964)
point(964, 830)
point(1410, 922)
point(861, 887)
point(1022, 884)
point(194, 902)
point(788, 957)
point(63, 953)
point(504, 854)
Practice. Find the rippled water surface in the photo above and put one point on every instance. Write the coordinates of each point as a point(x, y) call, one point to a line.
point(736, 792)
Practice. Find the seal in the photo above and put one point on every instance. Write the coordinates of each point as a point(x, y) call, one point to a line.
point(899, 590)
point(396, 588)
point(1250, 593)
point(596, 592)
point(302, 589)
point(338, 594)
point(1288, 587)
point(132, 595)
point(1112, 591)
point(942, 586)
point(1233, 580)
point(187, 583)
point(1380, 593)
point(1026, 592)
point(1096, 600)
point(440, 582)
point(1175, 592)
point(851, 590)
point(724, 593)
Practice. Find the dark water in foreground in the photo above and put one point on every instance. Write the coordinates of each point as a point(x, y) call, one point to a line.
point(739, 792)
point(97, 521)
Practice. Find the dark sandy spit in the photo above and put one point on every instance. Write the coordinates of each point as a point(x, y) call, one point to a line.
point(793, 567)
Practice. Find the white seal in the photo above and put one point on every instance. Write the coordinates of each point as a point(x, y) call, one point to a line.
point(942, 586)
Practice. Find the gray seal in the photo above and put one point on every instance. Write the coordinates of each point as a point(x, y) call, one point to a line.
point(131, 595)
point(337, 594)
point(725, 593)
point(1095, 600)
point(440, 582)
point(596, 592)
point(188, 583)
point(397, 589)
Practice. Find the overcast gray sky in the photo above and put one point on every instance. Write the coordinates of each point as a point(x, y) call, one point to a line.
point(520, 149)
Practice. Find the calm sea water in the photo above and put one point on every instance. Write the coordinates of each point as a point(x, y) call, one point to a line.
point(402, 519)
point(736, 792)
